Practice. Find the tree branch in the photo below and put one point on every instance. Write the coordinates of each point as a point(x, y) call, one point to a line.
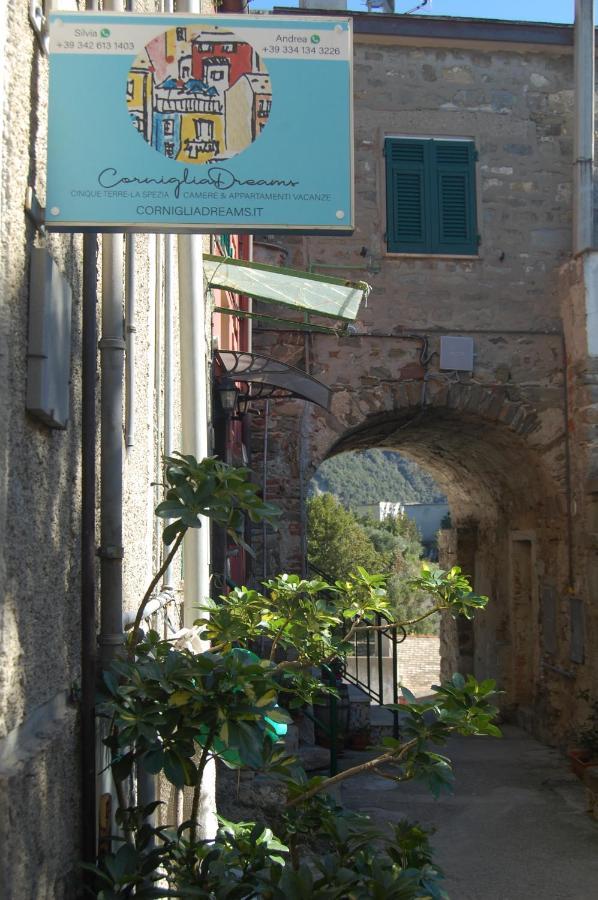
point(134, 639)
point(197, 789)
point(349, 773)
point(279, 634)
point(430, 612)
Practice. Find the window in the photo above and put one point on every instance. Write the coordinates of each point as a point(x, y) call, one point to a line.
point(264, 107)
point(169, 149)
point(168, 126)
point(185, 67)
point(430, 196)
point(181, 34)
point(204, 129)
point(130, 89)
point(228, 48)
point(206, 48)
point(216, 75)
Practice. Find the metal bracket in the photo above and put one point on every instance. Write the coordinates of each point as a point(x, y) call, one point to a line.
point(112, 344)
point(39, 23)
point(111, 552)
point(34, 210)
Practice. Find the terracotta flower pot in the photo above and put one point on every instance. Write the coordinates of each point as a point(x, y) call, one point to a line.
point(361, 740)
point(580, 759)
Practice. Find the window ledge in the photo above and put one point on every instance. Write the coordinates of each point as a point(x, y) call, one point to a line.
point(451, 256)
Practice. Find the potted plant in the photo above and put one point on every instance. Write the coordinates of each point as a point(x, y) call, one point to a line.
point(585, 753)
point(361, 739)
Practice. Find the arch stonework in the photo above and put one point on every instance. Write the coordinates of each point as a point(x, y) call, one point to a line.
point(499, 451)
point(514, 442)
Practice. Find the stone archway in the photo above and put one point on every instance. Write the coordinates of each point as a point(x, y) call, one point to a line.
point(500, 463)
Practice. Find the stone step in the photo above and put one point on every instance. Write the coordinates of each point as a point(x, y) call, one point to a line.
point(356, 695)
point(380, 716)
point(314, 758)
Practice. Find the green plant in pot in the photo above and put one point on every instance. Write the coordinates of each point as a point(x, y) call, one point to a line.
point(360, 739)
point(585, 751)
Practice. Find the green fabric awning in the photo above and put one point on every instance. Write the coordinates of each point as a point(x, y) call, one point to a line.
point(308, 293)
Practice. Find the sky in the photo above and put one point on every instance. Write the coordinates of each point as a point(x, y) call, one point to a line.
point(521, 10)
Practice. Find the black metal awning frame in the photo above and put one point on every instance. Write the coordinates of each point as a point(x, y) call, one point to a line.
point(266, 378)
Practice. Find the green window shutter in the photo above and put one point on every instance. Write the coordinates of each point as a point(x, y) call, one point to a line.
point(430, 196)
point(407, 226)
point(454, 226)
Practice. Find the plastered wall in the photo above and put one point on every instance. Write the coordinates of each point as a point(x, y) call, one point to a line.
point(40, 495)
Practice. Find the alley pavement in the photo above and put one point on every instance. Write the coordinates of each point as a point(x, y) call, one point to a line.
point(515, 828)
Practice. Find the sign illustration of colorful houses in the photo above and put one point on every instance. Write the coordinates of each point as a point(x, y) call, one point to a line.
point(198, 95)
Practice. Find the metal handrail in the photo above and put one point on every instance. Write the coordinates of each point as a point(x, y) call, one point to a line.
point(372, 682)
point(374, 686)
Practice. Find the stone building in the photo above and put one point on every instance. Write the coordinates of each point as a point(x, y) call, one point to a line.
point(511, 440)
point(509, 428)
point(53, 481)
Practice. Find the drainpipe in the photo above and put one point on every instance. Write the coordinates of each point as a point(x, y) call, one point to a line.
point(194, 394)
point(157, 405)
point(130, 329)
point(265, 572)
point(583, 166)
point(194, 399)
point(194, 415)
point(169, 447)
point(112, 350)
point(88, 557)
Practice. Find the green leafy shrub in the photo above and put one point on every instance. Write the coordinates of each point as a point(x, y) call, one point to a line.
point(171, 710)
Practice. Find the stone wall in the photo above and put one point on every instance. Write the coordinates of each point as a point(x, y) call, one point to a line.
point(419, 661)
point(495, 438)
point(40, 495)
point(39, 521)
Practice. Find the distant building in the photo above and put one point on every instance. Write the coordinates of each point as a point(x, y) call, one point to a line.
point(384, 509)
point(427, 516)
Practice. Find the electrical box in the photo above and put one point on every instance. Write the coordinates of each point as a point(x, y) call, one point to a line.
point(49, 355)
point(456, 353)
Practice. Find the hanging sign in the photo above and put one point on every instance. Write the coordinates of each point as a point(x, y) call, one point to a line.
point(199, 123)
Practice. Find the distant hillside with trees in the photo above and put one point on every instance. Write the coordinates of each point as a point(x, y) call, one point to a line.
point(367, 476)
point(338, 542)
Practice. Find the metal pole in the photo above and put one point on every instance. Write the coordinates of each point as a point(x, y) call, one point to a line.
point(583, 164)
point(333, 706)
point(158, 418)
point(194, 395)
point(395, 684)
point(380, 668)
point(167, 6)
point(265, 489)
point(193, 330)
point(169, 259)
point(193, 409)
point(88, 555)
point(368, 661)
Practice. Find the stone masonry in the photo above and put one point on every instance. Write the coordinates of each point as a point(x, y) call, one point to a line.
point(510, 443)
